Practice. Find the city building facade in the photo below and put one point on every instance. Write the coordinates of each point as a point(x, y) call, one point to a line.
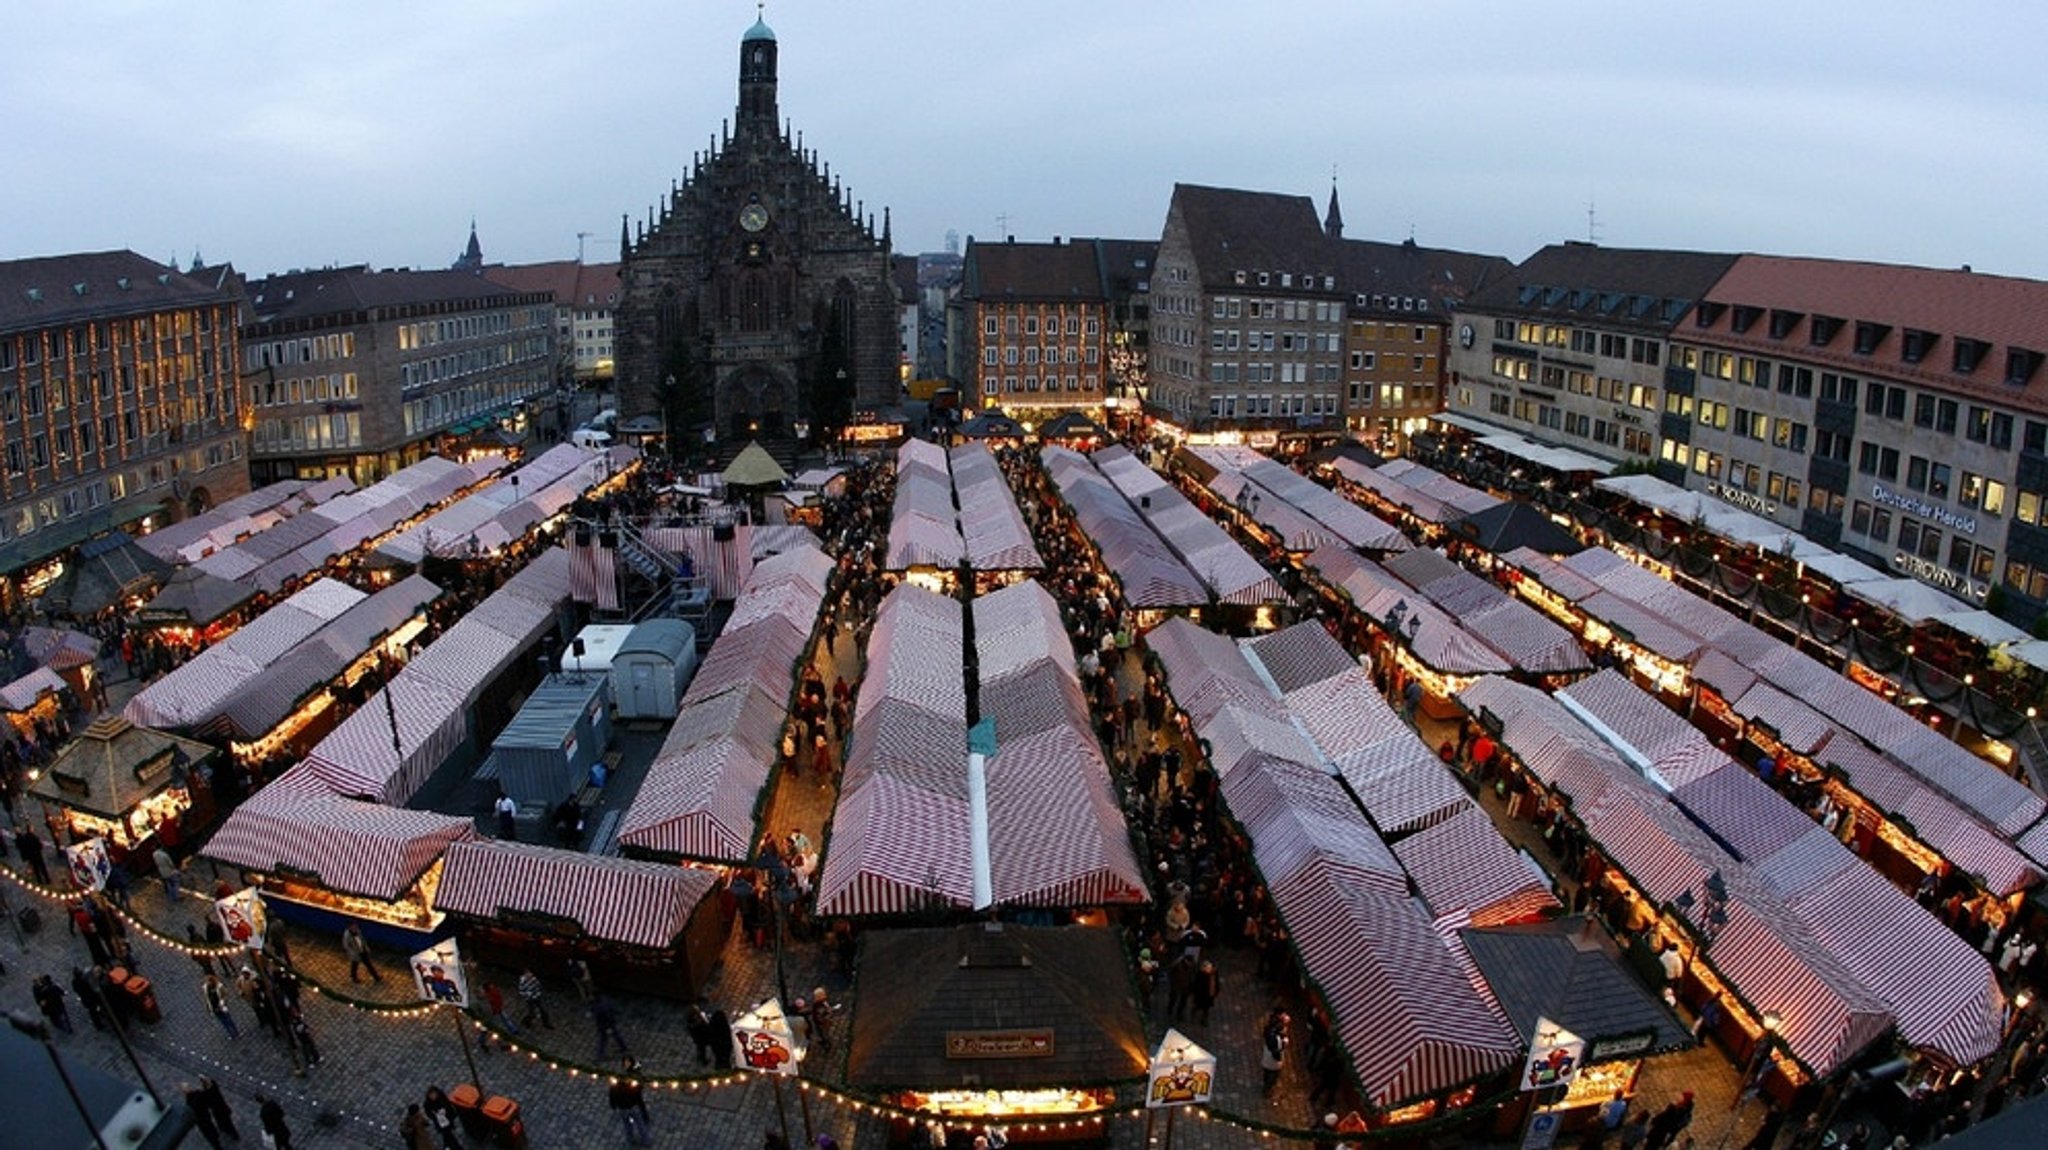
point(1034, 322)
point(585, 298)
point(118, 402)
point(1127, 282)
point(1396, 339)
point(1248, 320)
point(350, 371)
point(760, 287)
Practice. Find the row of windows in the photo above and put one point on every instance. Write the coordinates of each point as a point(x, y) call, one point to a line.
point(1226, 406)
point(1226, 373)
point(1221, 339)
point(1032, 354)
point(1393, 331)
point(307, 349)
point(428, 332)
point(87, 497)
point(328, 431)
point(63, 343)
point(1292, 310)
point(438, 410)
point(437, 368)
point(1014, 384)
point(1580, 340)
point(1286, 279)
point(1369, 361)
point(1052, 323)
point(316, 389)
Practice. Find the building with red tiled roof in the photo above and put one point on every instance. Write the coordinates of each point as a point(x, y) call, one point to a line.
point(118, 402)
point(1033, 322)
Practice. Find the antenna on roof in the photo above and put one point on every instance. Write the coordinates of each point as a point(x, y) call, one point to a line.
point(580, 237)
point(1592, 224)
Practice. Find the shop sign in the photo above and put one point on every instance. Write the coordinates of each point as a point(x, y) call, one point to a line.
point(437, 973)
point(89, 864)
point(1935, 575)
point(999, 1043)
point(1555, 1056)
point(1609, 1049)
point(1967, 524)
point(1746, 500)
point(242, 916)
point(763, 1041)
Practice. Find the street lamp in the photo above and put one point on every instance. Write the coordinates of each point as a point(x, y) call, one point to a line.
point(668, 403)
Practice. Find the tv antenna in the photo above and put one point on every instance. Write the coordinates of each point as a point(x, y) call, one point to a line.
point(580, 237)
point(1592, 224)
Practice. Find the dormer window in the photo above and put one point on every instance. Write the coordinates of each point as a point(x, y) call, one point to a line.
point(1264, 279)
point(1745, 317)
point(1782, 322)
point(1969, 353)
point(1869, 335)
point(1529, 294)
point(1237, 277)
point(1709, 314)
point(2020, 365)
point(1823, 330)
point(1915, 344)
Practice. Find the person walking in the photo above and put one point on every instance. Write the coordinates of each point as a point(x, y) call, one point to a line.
point(702, 1034)
point(31, 848)
point(1273, 1050)
point(168, 872)
point(202, 1116)
point(416, 1130)
point(1670, 1122)
point(357, 948)
point(629, 1102)
point(441, 1114)
point(605, 1017)
point(207, 1097)
point(217, 1002)
point(1207, 987)
point(1180, 985)
point(580, 978)
point(531, 992)
point(495, 999)
point(275, 1128)
point(50, 997)
point(88, 992)
point(301, 1036)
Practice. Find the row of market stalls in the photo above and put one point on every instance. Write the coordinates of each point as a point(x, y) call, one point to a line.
point(1409, 491)
point(435, 704)
point(1443, 625)
point(1298, 513)
point(191, 695)
point(1374, 854)
point(220, 526)
point(701, 797)
point(1232, 575)
point(1153, 579)
point(329, 840)
point(489, 519)
point(1911, 798)
point(954, 507)
point(1799, 942)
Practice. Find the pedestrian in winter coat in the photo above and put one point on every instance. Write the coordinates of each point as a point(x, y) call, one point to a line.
point(217, 1002)
point(272, 1116)
point(88, 993)
point(50, 997)
point(357, 948)
point(1273, 1049)
point(630, 1104)
point(531, 993)
point(1206, 987)
point(1671, 1121)
point(416, 1130)
point(202, 1116)
point(441, 1114)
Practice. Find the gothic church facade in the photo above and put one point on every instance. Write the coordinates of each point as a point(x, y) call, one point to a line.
point(757, 287)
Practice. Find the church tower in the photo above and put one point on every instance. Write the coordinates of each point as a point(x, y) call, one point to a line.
point(756, 300)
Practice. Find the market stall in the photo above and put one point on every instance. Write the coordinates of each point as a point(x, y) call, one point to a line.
point(1154, 580)
point(640, 927)
point(1030, 1029)
point(993, 531)
point(34, 700)
point(135, 787)
point(323, 861)
point(191, 696)
point(1570, 971)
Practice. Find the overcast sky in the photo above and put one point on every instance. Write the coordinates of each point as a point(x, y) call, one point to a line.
point(289, 134)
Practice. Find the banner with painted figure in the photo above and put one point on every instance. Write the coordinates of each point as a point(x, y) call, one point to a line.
point(90, 865)
point(437, 971)
point(242, 916)
point(1555, 1056)
point(762, 1040)
point(1181, 1073)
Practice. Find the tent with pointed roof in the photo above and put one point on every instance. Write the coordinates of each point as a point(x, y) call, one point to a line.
point(753, 467)
point(113, 765)
point(104, 572)
point(992, 425)
point(1072, 425)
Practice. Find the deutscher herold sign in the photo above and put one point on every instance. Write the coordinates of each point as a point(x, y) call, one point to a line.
point(999, 1044)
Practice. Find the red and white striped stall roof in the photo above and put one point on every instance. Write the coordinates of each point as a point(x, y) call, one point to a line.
point(1344, 713)
point(1300, 818)
point(1799, 727)
point(1206, 671)
point(386, 752)
point(1728, 678)
point(1645, 629)
point(1829, 1016)
point(896, 848)
point(1467, 500)
point(745, 711)
point(1403, 784)
point(1225, 567)
point(1353, 525)
point(1411, 1020)
point(1463, 866)
point(1301, 655)
point(990, 524)
point(1561, 580)
point(360, 848)
point(698, 803)
point(1943, 991)
point(1678, 751)
point(1056, 837)
point(193, 694)
point(1743, 812)
point(1017, 626)
point(613, 899)
point(1146, 569)
point(1395, 493)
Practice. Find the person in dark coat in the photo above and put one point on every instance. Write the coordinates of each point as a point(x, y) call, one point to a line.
point(207, 1098)
point(1671, 1121)
point(272, 1116)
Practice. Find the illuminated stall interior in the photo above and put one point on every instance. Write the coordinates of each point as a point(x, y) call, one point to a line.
point(125, 783)
point(1032, 1028)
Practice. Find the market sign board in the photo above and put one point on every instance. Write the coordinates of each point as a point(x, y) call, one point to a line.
point(437, 972)
point(242, 916)
point(1555, 1056)
point(999, 1043)
point(763, 1041)
point(89, 864)
point(1181, 1073)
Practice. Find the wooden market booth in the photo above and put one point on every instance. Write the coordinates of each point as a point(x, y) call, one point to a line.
point(1028, 1028)
point(135, 787)
point(642, 927)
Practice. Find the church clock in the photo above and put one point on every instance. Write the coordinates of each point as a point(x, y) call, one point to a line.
point(754, 217)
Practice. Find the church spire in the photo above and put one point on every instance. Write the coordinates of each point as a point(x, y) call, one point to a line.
point(1333, 220)
point(625, 239)
point(472, 257)
point(757, 78)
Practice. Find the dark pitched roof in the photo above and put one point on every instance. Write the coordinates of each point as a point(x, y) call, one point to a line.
point(1408, 270)
point(331, 291)
point(572, 284)
point(1231, 231)
point(903, 269)
point(1910, 321)
point(1516, 523)
point(1049, 272)
point(1570, 972)
point(51, 290)
point(915, 986)
point(1125, 263)
point(1638, 289)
